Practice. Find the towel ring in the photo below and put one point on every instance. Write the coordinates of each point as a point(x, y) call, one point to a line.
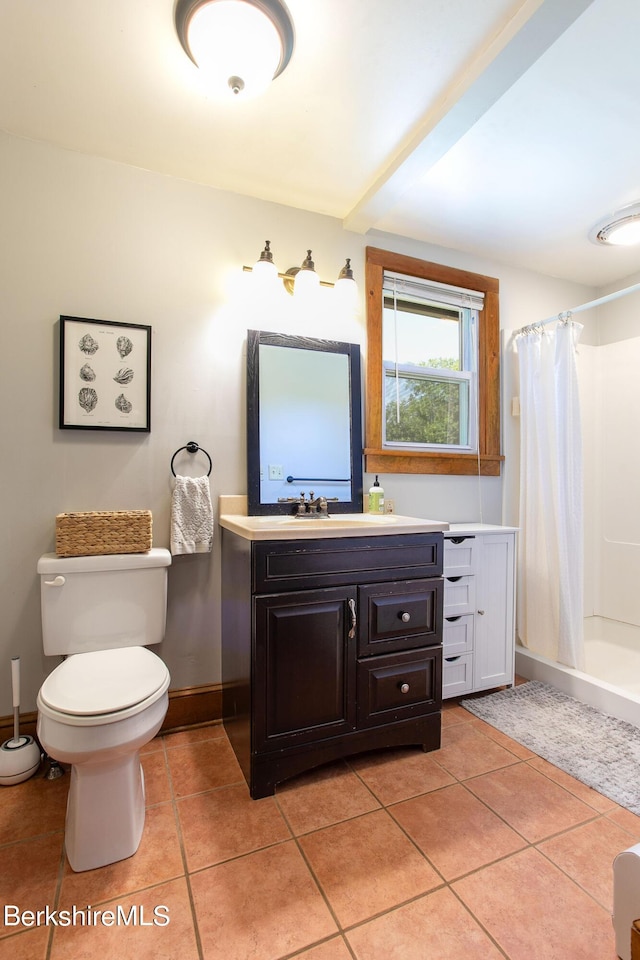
point(192, 447)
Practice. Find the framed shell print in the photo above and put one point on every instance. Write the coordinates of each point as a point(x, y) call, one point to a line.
point(105, 375)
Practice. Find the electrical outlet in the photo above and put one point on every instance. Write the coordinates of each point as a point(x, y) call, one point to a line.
point(276, 471)
point(388, 505)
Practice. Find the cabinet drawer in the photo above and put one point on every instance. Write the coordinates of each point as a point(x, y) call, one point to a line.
point(457, 635)
point(301, 564)
point(459, 596)
point(460, 556)
point(399, 616)
point(398, 686)
point(457, 675)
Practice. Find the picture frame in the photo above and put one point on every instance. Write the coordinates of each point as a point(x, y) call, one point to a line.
point(105, 375)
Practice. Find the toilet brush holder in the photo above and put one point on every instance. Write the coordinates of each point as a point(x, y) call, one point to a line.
point(19, 757)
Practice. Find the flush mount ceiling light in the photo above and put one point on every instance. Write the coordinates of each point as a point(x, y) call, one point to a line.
point(621, 229)
point(240, 45)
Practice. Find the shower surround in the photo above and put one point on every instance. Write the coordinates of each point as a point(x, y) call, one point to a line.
point(610, 396)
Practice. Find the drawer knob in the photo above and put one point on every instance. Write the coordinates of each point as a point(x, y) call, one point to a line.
point(404, 688)
point(405, 617)
point(481, 612)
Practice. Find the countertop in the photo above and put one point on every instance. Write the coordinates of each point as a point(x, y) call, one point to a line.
point(339, 525)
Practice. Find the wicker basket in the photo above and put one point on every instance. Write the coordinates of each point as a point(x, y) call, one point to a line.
point(103, 532)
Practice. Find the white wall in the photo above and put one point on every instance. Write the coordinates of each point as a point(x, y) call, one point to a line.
point(619, 319)
point(90, 238)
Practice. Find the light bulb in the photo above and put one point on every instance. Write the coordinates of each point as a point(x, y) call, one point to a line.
point(624, 234)
point(265, 272)
point(236, 47)
point(307, 280)
point(346, 289)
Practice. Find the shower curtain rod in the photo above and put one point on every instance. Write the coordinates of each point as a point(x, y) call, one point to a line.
point(565, 314)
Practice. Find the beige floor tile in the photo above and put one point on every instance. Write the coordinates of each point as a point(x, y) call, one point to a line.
point(226, 823)
point(529, 802)
point(535, 912)
point(366, 866)
point(29, 875)
point(334, 949)
point(157, 859)
point(202, 765)
point(587, 853)
point(33, 808)
point(211, 731)
point(627, 820)
point(452, 713)
point(150, 939)
point(262, 906)
point(594, 799)
point(394, 775)
point(322, 797)
point(29, 945)
point(435, 927)
point(466, 752)
point(523, 753)
point(455, 830)
point(157, 786)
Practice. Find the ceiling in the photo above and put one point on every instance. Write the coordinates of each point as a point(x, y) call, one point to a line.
point(506, 128)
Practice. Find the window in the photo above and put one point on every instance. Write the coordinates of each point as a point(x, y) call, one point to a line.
point(433, 396)
point(430, 365)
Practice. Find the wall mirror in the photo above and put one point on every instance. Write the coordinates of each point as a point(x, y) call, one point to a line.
point(304, 427)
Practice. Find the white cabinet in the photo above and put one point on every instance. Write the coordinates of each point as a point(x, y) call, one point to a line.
point(479, 608)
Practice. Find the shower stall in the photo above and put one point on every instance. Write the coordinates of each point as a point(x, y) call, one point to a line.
point(610, 413)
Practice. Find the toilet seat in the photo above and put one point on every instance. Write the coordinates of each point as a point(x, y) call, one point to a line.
point(103, 686)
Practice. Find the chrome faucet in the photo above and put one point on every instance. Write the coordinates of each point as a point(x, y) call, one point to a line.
point(314, 507)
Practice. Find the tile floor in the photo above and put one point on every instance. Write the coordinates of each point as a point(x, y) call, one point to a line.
point(480, 850)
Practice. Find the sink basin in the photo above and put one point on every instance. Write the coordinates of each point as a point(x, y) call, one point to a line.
point(339, 525)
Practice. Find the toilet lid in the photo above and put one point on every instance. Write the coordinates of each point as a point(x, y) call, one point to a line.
point(103, 681)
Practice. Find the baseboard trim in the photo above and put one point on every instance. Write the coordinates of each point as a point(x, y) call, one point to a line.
point(193, 706)
point(190, 707)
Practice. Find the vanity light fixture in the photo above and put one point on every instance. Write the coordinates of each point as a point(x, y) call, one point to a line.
point(346, 287)
point(240, 45)
point(621, 229)
point(306, 272)
point(264, 267)
point(306, 281)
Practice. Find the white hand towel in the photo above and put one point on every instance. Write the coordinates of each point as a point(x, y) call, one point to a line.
point(191, 516)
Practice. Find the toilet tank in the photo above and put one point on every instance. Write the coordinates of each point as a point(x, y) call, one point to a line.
point(100, 603)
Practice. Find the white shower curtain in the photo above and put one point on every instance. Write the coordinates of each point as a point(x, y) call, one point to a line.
point(550, 595)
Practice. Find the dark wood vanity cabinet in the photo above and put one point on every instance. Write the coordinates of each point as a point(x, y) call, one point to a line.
point(329, 647)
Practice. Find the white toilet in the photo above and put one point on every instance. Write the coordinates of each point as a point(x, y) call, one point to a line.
point(108, 697)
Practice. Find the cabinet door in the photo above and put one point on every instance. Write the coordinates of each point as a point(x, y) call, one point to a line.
point(494, 623)
point(304, 682)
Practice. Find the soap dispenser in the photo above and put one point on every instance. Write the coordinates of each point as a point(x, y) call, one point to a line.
point(376, 497)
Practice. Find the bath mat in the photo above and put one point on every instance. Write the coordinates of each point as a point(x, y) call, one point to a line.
point(592, 746)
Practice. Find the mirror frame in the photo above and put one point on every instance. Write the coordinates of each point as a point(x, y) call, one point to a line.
point(352, 350)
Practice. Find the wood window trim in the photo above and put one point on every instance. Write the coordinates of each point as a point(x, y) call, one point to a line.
point(380, 460)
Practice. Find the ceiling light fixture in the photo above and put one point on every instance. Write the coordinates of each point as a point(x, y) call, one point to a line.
point(239, 45)
point(304, 276)
point(621, 229)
